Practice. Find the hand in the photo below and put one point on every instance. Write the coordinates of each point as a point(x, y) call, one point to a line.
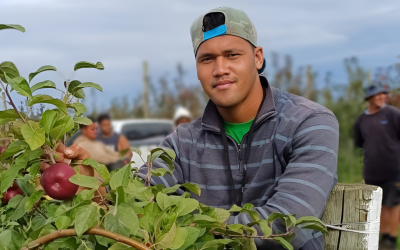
point(66, 155)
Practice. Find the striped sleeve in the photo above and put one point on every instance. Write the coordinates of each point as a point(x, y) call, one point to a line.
point(309, 177)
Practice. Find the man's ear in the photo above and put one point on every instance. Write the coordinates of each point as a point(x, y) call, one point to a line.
point(259, 57)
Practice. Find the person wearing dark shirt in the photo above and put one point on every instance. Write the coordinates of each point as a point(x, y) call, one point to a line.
point(114, 141)
point(377, 131)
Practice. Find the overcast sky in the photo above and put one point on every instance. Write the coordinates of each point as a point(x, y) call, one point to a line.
point(123, 33)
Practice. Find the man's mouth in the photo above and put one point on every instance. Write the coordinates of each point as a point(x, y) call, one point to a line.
point(223, 84)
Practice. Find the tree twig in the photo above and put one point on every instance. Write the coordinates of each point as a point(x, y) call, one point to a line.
point(11, 101)
point(40, 212)
point(91, 231)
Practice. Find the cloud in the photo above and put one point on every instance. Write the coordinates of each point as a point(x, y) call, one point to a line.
point(124, 33)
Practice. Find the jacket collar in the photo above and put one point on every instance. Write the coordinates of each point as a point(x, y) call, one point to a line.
point(210, 117)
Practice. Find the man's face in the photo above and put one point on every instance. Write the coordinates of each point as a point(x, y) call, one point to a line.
point(106, 127)
point(378, 99)
point(90, 131)
point(227, 69)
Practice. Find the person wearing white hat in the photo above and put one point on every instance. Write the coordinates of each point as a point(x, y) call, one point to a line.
point(181, 115)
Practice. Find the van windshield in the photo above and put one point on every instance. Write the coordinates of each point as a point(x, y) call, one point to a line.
point(140, 134)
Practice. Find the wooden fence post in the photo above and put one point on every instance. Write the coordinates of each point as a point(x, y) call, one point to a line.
point(354, 207)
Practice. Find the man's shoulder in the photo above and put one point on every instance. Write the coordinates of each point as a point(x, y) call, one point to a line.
point(288, 103)
point(194, 125)
point(391, 109)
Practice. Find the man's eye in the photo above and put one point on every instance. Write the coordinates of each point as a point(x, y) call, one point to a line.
point(233, 55)
point(206, 59)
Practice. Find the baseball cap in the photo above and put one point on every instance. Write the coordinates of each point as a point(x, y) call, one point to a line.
point(237, 23)
point(376, 88)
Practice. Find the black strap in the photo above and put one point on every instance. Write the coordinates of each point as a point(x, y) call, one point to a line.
point(226, 157)
point(249, 139)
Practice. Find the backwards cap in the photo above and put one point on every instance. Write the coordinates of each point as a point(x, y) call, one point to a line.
point(237, 23)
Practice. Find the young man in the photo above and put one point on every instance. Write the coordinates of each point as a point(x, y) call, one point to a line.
point(377, 131)
point(254, 143)
point(114, 141)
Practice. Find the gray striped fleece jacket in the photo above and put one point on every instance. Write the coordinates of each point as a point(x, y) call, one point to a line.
point(306, 137)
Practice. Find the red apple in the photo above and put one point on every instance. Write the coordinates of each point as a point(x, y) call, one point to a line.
point(11, 192)
point(55, 181)
point(2, 149)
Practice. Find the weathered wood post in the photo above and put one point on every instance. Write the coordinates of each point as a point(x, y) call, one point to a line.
point(354, 207)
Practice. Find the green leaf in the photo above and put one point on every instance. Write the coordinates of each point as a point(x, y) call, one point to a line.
point(159, 171)
point(202, 217)
point(248, 206)
point(86, 217)
point(84, 64)
point(171, 189)
point(193, 234)
point(79, 108)
point(85, 181)
point(216, 242)
point(274, 216)
point(11, 240)
point(87, 85)
point(35, 197)
point(165, 201)
point(7, 120)
point(235, 208)
point(121, 178)
point(315, 226)
point(10, 69)
point(283, 243)
point(19, 211)
point(20, 85)
point(12, 26)
point(192, 188)
point(10, 113)
point(43, 85)
point(180, 237)
point(41, 69)
point(34, 169)
point(13, 149)
point(186, 206)
point(165, 240)
point(100, 168)
point(33, 134)
point(49, 117)
point(83, 120)
point(80, 93)
point(61, 126)
point(7, 178)
point(265, 228)
point(124, 219)
point(49, 100)
point(169, 161)
point(14, 201)
point(85, 195)
point(120, 246)
point(221, 215)
point(63, 222)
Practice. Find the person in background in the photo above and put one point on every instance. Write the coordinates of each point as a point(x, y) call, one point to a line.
point(181, 115)
point(97, 150)
point(114, 141)
point(377, 132)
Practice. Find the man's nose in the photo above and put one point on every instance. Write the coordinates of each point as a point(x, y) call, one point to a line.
point(220, 67)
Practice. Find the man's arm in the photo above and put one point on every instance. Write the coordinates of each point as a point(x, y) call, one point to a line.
point(123, 143)
point(358, 139)
point(304, 187)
